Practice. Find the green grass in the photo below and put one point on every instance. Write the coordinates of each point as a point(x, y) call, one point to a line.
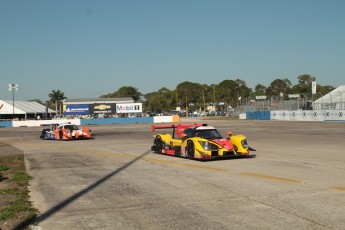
point(21, 177)
point(20, 204)
point(3, 168)
point(16, 211)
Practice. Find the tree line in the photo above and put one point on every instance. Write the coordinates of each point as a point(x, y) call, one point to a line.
point(194, 96)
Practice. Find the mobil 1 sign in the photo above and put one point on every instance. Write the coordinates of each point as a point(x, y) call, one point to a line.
point(129, 108)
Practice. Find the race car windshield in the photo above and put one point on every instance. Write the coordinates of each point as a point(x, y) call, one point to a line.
point(71, 127)
point(208, 134)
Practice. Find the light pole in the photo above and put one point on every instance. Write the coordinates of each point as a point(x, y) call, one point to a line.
point(12, 87)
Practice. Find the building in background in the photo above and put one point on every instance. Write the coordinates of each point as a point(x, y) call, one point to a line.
point(102, 107)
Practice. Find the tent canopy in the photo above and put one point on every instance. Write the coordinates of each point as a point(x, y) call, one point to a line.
point(22, 107)
point(335, 96)
point(332, 100)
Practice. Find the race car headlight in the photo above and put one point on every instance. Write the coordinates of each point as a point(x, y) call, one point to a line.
point(205, 145)
point(244, 144)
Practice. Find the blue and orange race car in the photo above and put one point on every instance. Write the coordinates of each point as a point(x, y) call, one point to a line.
point(199, 141)
point(65, 132)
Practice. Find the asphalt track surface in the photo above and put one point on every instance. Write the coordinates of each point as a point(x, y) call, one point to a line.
point(297, 180)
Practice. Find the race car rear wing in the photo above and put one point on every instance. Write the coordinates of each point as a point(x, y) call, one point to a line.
point(178, 126)
point(154, 127)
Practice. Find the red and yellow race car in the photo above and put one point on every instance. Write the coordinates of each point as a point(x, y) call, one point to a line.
point(199, 141)
point(65, 132)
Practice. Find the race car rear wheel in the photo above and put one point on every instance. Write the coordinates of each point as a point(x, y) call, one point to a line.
point(159, 144)
point(190, 150)
point(60, 135)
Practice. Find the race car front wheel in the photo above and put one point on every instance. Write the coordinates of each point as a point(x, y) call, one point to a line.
point(159, 144)
point(190, 150)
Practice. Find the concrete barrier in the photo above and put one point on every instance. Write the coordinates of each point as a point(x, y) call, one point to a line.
point(243, 116)
point(38, 123)
point(162, 119)
point(309, 115)
point(298, 115)
point(258, 115)
point(98, 121)
point(334, 115)
point(5, 124)
point(105, 121)
point(176, 119)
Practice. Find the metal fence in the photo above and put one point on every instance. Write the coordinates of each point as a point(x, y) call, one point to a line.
point(329, 106)
point(290, 105)
point(269, 105)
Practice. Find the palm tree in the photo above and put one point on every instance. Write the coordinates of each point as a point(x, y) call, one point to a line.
point(57, 96)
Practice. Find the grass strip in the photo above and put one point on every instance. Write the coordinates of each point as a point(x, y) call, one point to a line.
point(16, 210)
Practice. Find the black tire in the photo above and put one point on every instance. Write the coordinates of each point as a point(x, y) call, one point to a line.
point(159, 144)
point(60, 135)
point(190, 150)
point(177, 150)
point(235, 148)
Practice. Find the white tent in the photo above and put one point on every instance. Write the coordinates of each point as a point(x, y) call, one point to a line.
point(22, 108)
point(332, 100)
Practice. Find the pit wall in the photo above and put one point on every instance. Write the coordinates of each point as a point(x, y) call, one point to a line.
point(35, 123)
point(100, 121)
point(5, 124)
point(257, 115)
point(298, 115)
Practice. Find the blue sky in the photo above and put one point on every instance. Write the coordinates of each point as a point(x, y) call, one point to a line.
point(90, 48)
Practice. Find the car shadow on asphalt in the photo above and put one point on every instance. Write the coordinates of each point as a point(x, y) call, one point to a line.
point(71, 199)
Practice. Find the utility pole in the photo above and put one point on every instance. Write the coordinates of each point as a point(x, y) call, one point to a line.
point(203, 100)
point(186, 103)
point(214, 99)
